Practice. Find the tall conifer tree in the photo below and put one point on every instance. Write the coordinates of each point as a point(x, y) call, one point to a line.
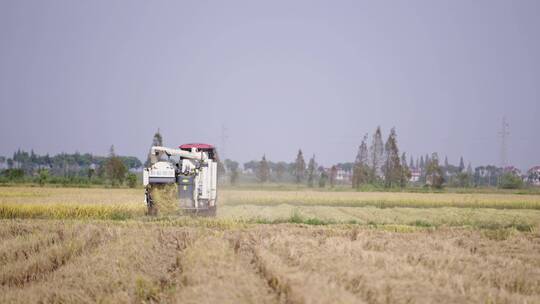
point(299, 167)
point(376, 155)
point(157, 140)
point(392, 164)
point(312, 166)
point(361, 168)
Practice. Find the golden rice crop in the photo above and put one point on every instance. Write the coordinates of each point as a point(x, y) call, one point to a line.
point(311, 207)
point(271, 198)
point(26, 195)
point(70, 211)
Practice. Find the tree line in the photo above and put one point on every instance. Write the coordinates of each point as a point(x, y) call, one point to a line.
point(377, 163)
point(380, 164)
point(67, 168)
point(295, 172)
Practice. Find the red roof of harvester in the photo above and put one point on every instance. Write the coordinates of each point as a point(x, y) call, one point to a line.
point(196, 145)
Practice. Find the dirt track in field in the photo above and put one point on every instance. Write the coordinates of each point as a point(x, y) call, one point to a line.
point(108, 262)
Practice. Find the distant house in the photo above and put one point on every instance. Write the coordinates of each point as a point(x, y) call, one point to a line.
point(415, 175)
point(533, 176)
point(344, 175)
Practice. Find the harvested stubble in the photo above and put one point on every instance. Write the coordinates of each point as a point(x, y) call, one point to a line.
point(31, 261)
point(137, 262)
point(381, 199)
point(431, 217)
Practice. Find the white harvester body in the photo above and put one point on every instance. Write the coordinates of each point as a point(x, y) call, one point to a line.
point(194, 174)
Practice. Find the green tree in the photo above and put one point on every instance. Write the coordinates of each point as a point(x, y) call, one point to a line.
point(461, 164)
point(281, 167)
point(405, 170)
point(323, 177)
point(90, 173)
point(333, 175)
point(299, 167)
point(132, 180)
point(311, 171)
point(392, 164)
point(14, 174)
point(232, 167)
point(115, 169)
point(463, 179)
point(43, 176)
point(509, 180)
point(434, 174)
point(263, 171)
point(131, 162)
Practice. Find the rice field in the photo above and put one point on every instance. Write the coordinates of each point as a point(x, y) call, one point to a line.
point(310, 207)
point(67, 245)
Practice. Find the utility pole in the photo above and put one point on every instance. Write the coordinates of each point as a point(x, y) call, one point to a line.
point(223, 141)
point(503, 134)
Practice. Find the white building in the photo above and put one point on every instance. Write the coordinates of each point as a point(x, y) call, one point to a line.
point(343, 175)
point(415, 175)
point(533, 175)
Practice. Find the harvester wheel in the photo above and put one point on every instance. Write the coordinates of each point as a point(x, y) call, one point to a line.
point(210, 212)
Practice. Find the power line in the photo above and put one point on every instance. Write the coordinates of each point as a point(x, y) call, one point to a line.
point(503, 134)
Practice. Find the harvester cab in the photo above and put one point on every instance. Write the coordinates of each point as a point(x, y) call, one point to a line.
point(192, 168)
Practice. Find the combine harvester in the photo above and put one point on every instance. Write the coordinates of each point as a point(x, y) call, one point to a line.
point(193, 169)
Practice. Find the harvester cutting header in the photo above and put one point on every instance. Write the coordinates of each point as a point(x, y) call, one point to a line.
point(192, 168)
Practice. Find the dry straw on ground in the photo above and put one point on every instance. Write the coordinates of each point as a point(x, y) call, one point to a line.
point(114, 262)
point(97, 245)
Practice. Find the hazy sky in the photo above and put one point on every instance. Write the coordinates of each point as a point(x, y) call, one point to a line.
point(316, 75)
